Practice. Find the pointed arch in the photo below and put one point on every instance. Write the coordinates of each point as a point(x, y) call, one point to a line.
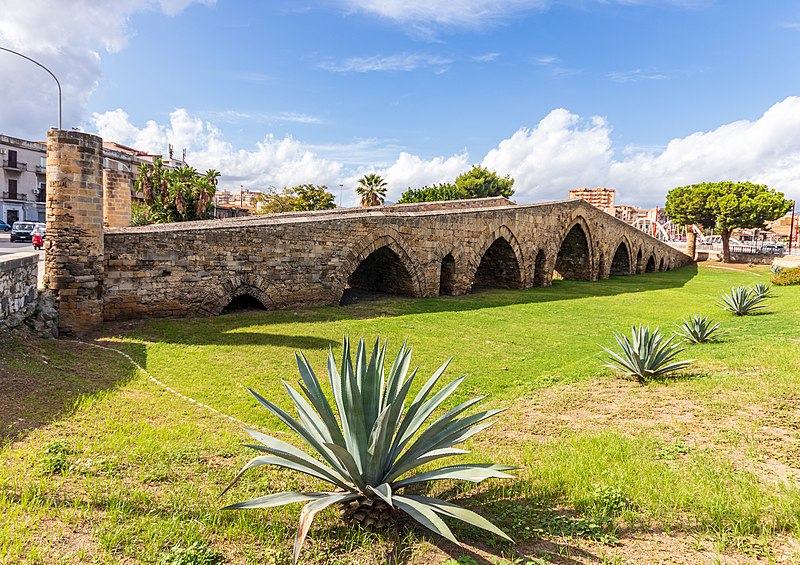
point(574, 260)
point(447, 275)
point(638, 268)
point(383, 265)
point(621, 262)
point(651, 265)
point(662, 265)
point(500, 262)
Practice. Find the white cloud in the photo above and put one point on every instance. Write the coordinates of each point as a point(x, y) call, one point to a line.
point(637, 75)
point(385, 63)
point(67, 38)
point(486, 57)
point(561, 152)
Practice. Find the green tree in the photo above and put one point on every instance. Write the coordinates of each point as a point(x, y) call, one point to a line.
point(300, 198)
point(371, 189)
point(435, 193)
point(480, 182)
point(689, 206)
point(745, 205)
point(725, 206)
point(174, 195)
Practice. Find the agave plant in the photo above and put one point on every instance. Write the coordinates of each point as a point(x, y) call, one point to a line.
point(368, 452)
point(646, 355)
point(741, 301)
point(775, 269)
point(762, 290)
point(697, 329)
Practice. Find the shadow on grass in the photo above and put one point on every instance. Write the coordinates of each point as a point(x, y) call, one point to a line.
point(43, 380)
point(231, 329)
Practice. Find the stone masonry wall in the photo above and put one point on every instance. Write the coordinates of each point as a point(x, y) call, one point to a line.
point(74, 259)
point(17, 288)
point(305, 259)
point(117, 187)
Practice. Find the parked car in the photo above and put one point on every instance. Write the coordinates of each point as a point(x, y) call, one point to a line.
point(4, 226)
point(21, 231)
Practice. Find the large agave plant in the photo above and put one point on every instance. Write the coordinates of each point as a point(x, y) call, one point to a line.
point(378, 439)
point(646, 355)
point(697, 329)
point(741, 301)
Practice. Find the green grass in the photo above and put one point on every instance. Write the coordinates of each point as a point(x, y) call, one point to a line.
point(131, 470)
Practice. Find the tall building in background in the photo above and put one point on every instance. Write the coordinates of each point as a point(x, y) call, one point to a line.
point(23, 183)
point(600, 197)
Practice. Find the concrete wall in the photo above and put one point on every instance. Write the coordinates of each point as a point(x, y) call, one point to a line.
point(18, 292)
point(307, 258)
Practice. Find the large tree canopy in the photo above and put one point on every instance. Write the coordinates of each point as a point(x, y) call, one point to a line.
point(475, 183)
point(299, 198)
point(726, 206)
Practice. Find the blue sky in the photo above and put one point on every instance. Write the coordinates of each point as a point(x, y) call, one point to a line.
point(637, 95)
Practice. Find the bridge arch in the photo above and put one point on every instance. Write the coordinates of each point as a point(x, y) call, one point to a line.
point(540, 272)
point(639, 266)
point(650, 267)
point(622, 261)
point(662, 265)
point(500, 262)
point(383, 265)
point(574, 260)
point(234, 288)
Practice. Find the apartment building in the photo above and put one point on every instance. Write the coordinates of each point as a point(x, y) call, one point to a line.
point(23, 176)
point(600, 197)
point(23, 182)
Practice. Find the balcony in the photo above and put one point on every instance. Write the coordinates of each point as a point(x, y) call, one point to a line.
point(15, 196)
point(41, 170)
point(14, 165)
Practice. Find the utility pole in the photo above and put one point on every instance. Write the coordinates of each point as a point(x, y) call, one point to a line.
point(791, 228)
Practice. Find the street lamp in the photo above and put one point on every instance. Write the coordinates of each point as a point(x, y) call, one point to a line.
point(48, 71)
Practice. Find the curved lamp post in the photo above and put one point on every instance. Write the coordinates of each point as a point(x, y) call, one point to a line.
point(48, 72)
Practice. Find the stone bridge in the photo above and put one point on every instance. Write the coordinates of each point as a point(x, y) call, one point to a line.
point(315, 258)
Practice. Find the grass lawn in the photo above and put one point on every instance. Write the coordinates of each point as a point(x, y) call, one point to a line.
point(102, 464)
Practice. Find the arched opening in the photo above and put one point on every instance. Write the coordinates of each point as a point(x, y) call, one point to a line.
point(539, 273)
point(499, 267)
point(243, 303)
point(601, 263)
point(651, 265)
point(621, 263)
point(381, 272)
point(639, 261)
point(574, 258)
point(663, 266)
point(447, 277)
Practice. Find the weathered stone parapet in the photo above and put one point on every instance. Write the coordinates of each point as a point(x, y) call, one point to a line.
point(74, 258)
point(17, 288)
point(117, 186)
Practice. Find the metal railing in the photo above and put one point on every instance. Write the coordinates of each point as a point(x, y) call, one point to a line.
point(16, 165)
point(15, 196)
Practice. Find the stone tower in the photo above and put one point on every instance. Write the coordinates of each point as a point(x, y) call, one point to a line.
point(117, 187)
point(74, 262)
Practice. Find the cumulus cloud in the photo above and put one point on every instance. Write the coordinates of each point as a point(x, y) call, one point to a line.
point(68, 38)
point(562, 151)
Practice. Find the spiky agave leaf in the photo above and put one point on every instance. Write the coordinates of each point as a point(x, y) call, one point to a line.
point(646, 355)
point(370, 438)
point(762, 290)
point(697, 329)
point(741, 301)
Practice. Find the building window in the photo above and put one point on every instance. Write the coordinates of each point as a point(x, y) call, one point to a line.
point(12, 184)
point(12, 162)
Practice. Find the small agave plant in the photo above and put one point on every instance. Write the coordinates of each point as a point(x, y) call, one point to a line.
point(378, 439)
point(741, 301)
point(762, 290)
point(697, 329)
point(646, 355)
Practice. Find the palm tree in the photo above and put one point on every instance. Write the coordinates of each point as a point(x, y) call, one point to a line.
point(372, 190)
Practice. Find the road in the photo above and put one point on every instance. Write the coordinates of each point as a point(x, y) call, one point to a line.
point(6, 248)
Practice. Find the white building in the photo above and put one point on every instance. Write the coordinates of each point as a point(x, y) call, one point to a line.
point(23, 184)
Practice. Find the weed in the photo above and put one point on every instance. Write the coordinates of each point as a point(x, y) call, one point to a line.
point(55, 458)
point(195, 554)
point(670, 452)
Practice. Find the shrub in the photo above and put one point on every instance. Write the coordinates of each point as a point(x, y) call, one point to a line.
point(372, 444)
point(697, 329)
point(786, 277)
point(741, 301)
point(646, 355)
